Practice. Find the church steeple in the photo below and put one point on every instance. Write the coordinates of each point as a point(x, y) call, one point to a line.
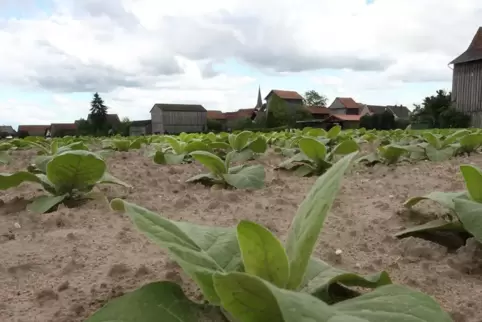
point(259, 103)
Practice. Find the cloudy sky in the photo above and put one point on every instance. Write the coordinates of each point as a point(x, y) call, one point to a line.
point(55, 53)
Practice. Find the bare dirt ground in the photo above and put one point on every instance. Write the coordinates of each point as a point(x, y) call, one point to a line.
point(64, 265)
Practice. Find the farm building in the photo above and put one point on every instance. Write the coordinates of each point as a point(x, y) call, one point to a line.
point(138, 128)
point(467, 80)
point(7, 130)
point(177, 118)
point(32, 130)
point(290, 97)
point(63, 129)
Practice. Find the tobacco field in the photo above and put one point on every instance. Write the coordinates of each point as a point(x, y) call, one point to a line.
point(299, 225)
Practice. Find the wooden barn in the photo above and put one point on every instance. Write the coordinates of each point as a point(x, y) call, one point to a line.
point(467, 81)
point(177, 118)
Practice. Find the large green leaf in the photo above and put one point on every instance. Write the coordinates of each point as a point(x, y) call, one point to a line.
point(43, 204)
point(121, 145)
point(438, 155)
point(196, 146)
point(75, 170)
point(259, 145)
point(241, 140)
point(473, 181)
point(394, 303)
point(199, 250)
point(249, 298)
point(471, 142)
point(263, 254)
point(391, 153)
point(345, 147)
point(334, 132)
point(470, 214)
point(309, 219)
point(168, 158)
point(313, 149)
point(432, 140)
point(8, 180)
point(320, 276)
point(210, 161)
point(444, 198)
point(434, 225)
point(176, 145)
point(154, 302)
point(251, 177)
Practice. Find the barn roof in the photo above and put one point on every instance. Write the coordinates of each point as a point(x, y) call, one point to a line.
point(400, 111)
point(63, 126)
point(7, 129)
point(348, 102)
point(216, 115)
point(320, 110)
point(179, 107)
point(376, 109)
point(293, 95)
point(474, 52)
point(33, 128)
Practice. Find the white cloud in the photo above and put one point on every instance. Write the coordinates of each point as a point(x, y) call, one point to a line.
point(137, 52)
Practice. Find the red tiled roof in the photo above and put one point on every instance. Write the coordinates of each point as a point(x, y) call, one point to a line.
point(348, 102)
point(64, 126)
point(318, 110)
point(290, 95)
point(216, 115)
point(245, 112)
point(33, 128)
point(343, 117)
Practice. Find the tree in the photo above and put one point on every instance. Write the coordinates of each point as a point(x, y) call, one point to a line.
point(313, 98)
point(98, 113)
point(277, 112)
point(124, 127)
point(437, 111)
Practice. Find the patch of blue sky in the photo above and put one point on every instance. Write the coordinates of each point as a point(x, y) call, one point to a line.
point(24, 9)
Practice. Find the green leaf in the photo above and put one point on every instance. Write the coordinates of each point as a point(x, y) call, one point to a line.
point(249, 298)
point(320, 275)
point(251, 177)
point(121, 145)
point(304, 170)
point(444, 198)
point(394, 303)
point(263, 254)
point(242, 156)
point(136, 144)
point(75, 170)
point(199, 250)
point(259, 145)
point(176, 145)
point(8, 180)
point(151, 303)
point(313, 149)
point(436, 155)
point(210, 161)
point(432, 140)
point(333, 132)
point(473, 181)
point(109, 178)
point(470, 214)
point(434, 225)
point(309, 219)
point(392, 152)
point(168, 158)
point(196, 146)
point(204, 178)
point(345, 147)
point(43, 204)
point(41, 162)
point(471, 142)
point(241, 141)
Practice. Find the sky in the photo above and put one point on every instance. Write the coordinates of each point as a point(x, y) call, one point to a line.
point(56, 53)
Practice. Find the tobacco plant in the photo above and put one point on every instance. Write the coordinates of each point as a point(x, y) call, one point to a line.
point(123, 145)
point(248, 275)
point(178, 151)
point(69, 177)
point(223, 174)
point(314, 158)
point(465, 208)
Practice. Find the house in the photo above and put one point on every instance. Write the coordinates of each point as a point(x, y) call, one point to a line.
point(113, 120)
point(7, 130)
point(467, 80)
point(346, 106)
point(319, 112)
point(400, 112)
point(138, 128)
point(290, 97)
point(63, 129)
point(217, 116)
point(346, 121)
point(177, 118)
point(32, 130)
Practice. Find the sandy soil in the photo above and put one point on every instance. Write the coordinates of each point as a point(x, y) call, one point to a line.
point(64, 265)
